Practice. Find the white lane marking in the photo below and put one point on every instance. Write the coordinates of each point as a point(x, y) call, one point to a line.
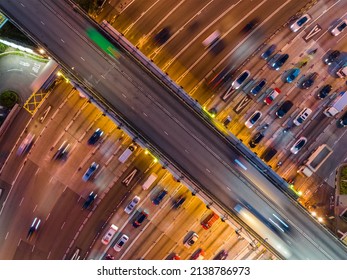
point(240, 164)
point(229, 188)
point(62, 225)
point(21, 201)
point(7, 235)
point(124, 95)
point(35, 208)
point(186, 151)
point(145, 114)
point(208, 170)
point(62, 40)
point(42, 22)
point(166, 133)
point(22, 4)
point(83, 58)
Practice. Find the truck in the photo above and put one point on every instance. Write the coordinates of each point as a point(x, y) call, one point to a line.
point(127, 153)
point(342, 72)
point(315, 160)
point(337, 105)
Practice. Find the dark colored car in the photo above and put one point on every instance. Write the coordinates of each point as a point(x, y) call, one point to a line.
point(279, 62)
point(324, 91)
point(62, 152)
point(256, 139)
point(109, 257)
point(179, 201)
point(222, 255)
point(258, 87)
point(95, 137)
point(268, 52)
point(90, 200)
point(284, 108)
point(160, 196)
point(140, 218)
point(332, 57)
point(34, 227)
point(162, 36)
point(251, 25)
point(307, 83)
point(269, 154)
point(343, 120)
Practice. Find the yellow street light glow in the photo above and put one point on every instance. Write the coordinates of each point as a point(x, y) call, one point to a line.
point(314, 214)
point(300, 193)
point(146, 152)
point(320, 219)
point(42, 51)
point(155, 160)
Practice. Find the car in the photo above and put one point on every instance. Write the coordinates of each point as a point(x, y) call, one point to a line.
point(198, 255)
point(160, 196)
point(227, 121)
point(256, 139)
point(253, 119)
point(222, 255)
point(279, 62)
point(284, 108)
point(302, 116)
point(192, 238)
point(332, 57)
point(140, 218)
point(26, 144)
point(34, 227)
point(297, 146)
point(308, 82)
point(109, 234)
point(162, 36)
point(271, 95)
point(131, 206)
point(300, 22)
point(269, 154)
point(90, 171)
point(340, 27)
point(240, 79)
point(258, 87)
point(324, 91)
point(121, 242)
point(95, 137)
point(90, 199)
point(127, 153)
point(62, 151)
point(109, 257)
point(293, 74)
point(174, 256)
point(343, 120)
point(268, 52)
point(251, 25)
point(179, 201)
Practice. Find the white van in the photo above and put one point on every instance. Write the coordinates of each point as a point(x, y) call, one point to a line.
point(150, 180)
point(127, 153)
point(109, 235)
point(211, 40)
point(302, 116)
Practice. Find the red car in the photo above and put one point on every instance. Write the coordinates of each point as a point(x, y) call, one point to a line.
point(174, 256)
point(222, 255)
point(272, 95)
point(198, 255)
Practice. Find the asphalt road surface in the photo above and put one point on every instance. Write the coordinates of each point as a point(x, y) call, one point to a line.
point(171, 126)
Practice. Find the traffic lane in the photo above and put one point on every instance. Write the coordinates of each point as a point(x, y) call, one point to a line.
point(194, 25)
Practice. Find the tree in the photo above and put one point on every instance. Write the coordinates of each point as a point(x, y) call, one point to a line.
point(8, 99)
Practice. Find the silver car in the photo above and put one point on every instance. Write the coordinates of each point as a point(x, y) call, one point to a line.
point(298, 145)
point(131, 206)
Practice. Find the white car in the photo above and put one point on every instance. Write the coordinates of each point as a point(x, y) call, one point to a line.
point(120, 243)
point(253, 119)
point(191, 239)
point(298, 145)
point(339, 28)
point(241, 79)
point(109, 235)
point(131, 206)
point(299, 23)
point(302, 116)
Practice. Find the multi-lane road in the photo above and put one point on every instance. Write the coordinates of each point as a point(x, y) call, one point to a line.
point(161, 118)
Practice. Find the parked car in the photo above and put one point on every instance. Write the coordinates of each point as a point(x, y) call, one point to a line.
point(258, 87)
point(256, 139)
point(332, 57)
point(132, 204)
point(293, 74)
point(269, 154)
point(302, 116)
point(162, 36)
point(90, 171)
point(222, 255)
point(343, 120)
point(95, 137)
point(90, 199)
point(198, 255)
point(240, 79)
point(297, 146)
point(284, 108)
point(109, 234)
point(160, 196)
point(279, 62)
point(300, 22)
point(174, 256)
point(192, 238)
point(140, 218)
point(121, 242)
point(253, 119)
point(179, 201)
point(324, 91)
point(109, 257)
point(268, 52)
point(340, 27)
point(272, 94)
point(308, 82)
